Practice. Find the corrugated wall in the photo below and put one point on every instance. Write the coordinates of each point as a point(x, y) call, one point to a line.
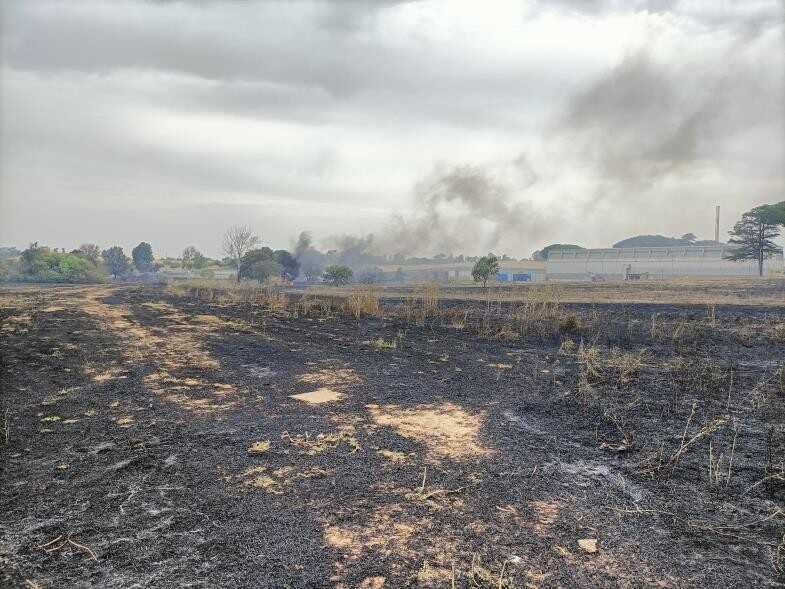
point(657, 262)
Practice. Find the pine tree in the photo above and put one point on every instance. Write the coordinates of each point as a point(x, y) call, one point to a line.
point(753, 237)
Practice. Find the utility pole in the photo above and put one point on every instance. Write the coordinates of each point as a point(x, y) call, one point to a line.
point(717, 223)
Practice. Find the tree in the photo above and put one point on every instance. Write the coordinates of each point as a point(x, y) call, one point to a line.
point(338, 274)
point(41, 264)
point(30, 262)
point(9, 252)
point(238, 241)
point(754, 235)
point(773, 214)
point(90, 251)
point(485, 268)
point(193, 259)
point(116, 261)
point(259, 264)
point(143, 257)
point(290, 267)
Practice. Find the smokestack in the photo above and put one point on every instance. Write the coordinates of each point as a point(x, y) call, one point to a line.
point(717, 223)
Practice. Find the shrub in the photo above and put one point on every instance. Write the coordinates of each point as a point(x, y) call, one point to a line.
point(338, 275)
point(570, 324)
point(40, 264)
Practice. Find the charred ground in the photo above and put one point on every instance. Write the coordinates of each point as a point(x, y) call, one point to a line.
point(170, 438)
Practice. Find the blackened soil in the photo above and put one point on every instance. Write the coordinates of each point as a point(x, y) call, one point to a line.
point(440, 455)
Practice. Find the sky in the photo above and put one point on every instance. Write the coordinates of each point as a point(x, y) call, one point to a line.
point(434, 125)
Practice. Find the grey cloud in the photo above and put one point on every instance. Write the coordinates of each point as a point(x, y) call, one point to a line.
point(646, 129)
point(273, 64)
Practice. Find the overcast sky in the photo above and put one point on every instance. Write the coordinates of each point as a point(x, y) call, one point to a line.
point(435, 125)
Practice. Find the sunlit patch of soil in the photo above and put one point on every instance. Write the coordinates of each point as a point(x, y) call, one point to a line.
point(110, 374)
point(213, 404)
point(209, 319)
point(384, 533)
point(500, 366)
point(336, 378)
point(213, 322)
point(125, 420)
point(392, 531)
point(446, 430)
point(276, 481)
point(626, 571)
point(15, 321)
point(179, 349)
point(160, 307)
point(392, 456)
point(546, 512)
point(319, 396)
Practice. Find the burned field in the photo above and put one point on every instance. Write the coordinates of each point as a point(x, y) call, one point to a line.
point(163, 438)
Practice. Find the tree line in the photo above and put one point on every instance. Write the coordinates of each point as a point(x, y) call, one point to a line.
point(89, 263)
point(752, 237)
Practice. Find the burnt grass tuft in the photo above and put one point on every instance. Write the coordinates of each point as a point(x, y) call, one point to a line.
point(173, 437)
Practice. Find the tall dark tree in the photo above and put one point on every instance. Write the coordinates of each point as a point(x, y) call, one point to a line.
point(259, 264)
point(116, 261)
point(143, 257)
point(753, 236)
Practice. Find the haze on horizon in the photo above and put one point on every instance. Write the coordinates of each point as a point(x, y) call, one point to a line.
point(438, 126)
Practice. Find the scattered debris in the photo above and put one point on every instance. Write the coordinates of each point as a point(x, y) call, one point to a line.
point(588, 545)
point(259, 447)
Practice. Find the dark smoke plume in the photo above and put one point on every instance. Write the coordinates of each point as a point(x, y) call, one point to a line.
point(465, 207)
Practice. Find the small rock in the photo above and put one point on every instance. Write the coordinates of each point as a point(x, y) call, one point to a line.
point(588, 545)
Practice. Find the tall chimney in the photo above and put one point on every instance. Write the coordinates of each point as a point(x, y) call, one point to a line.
point(717, 224)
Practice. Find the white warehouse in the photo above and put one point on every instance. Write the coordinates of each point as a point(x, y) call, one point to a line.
point(652, 262)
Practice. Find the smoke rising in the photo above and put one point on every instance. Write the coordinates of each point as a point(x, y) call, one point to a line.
point(465, 205)
point(656, 130)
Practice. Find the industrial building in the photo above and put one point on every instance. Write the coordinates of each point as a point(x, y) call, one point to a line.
point(509, 271)
point(652, 262)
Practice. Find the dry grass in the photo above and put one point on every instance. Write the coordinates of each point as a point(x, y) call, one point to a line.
point(768, 291)
point(226, 291)
point(382, 344)
point(627, 364)
point(364, 302)
point(321, 443)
